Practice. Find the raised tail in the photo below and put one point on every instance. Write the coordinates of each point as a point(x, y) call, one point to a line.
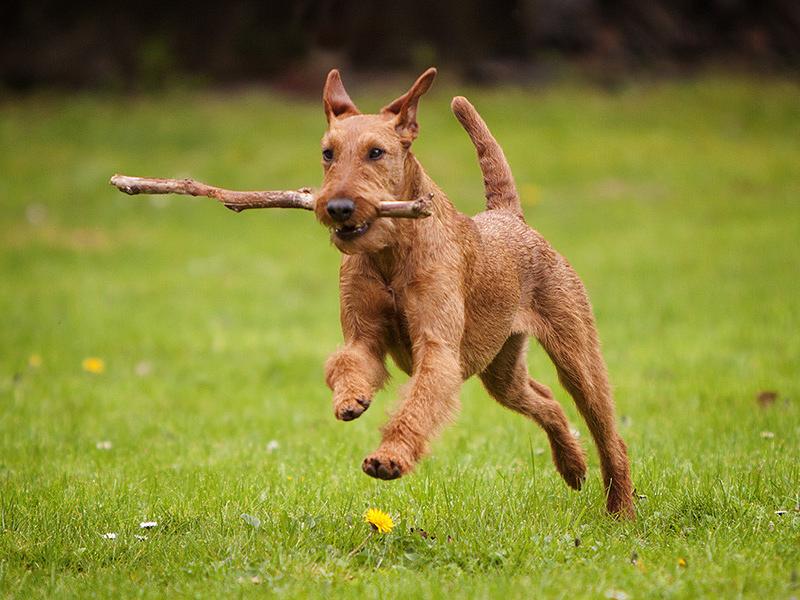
point(498, 182)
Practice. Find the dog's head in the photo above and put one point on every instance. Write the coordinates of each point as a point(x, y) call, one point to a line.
point(364, 162)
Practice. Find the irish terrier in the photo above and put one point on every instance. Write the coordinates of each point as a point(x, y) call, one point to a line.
point(449, 296)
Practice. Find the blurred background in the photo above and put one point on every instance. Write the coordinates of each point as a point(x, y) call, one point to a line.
point(161, 358)
point(147, 44)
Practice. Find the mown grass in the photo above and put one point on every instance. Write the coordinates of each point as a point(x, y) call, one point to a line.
point(679, 203)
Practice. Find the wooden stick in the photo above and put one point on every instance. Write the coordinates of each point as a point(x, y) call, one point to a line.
point(239, 201)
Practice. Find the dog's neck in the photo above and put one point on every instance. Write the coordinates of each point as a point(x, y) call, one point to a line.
point(417, 183)
point(415, 234)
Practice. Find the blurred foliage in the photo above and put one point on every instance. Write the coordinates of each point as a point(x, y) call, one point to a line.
point(143, 45)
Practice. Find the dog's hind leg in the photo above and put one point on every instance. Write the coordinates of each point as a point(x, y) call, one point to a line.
point(507, 380)
point(566, 329)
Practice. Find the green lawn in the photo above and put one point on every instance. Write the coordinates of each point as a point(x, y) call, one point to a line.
point(678, 203)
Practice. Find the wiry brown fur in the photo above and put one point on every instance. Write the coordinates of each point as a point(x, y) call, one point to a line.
point(449, 297)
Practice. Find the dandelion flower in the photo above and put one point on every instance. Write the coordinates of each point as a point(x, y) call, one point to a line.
point(35, 361)
point(682, 563)
point(93, 365)
point(379, 520)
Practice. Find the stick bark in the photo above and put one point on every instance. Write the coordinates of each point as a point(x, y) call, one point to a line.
point(238, 201)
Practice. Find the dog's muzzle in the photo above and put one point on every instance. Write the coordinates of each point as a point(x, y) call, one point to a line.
point(350, 232)
point(340, 209)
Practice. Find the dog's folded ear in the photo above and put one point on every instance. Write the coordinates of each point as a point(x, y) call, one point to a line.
point(404, 108)
point(335, 98)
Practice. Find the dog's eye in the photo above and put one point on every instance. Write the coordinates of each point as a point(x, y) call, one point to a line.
point(327, 155)
point(375, 153)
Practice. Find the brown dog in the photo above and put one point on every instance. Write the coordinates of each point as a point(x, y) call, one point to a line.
point(449, 296)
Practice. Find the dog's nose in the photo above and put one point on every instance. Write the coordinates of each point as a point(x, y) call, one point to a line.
point(340, 209)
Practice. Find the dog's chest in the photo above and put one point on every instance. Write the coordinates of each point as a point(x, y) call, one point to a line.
point(398, 338)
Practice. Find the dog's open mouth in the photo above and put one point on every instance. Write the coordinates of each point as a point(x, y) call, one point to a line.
point(351, 232)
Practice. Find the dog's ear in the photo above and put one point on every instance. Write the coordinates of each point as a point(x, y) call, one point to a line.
point(404, 108)
point(335, 99)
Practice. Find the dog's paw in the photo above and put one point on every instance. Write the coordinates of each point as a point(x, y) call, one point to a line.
point(383, 465)
point(620, 500)
point(347, 410)
point(621, 506)
point(571, 464)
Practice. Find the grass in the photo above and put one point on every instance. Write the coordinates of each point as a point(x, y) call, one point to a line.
point(679, 203)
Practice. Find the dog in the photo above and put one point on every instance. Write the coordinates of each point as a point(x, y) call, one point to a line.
point(450, 296)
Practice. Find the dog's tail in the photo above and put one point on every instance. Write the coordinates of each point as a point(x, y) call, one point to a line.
point(498, 182)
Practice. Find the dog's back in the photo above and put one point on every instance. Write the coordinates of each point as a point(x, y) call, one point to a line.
point(507, 243)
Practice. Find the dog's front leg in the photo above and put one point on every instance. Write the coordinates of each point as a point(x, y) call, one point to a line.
point(354, 373)
point(431, 397)
point(357, 370)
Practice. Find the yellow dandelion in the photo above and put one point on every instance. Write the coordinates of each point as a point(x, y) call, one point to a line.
point(682, 563)
point(93, 365)
point(35, 361)
point(379, 520)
